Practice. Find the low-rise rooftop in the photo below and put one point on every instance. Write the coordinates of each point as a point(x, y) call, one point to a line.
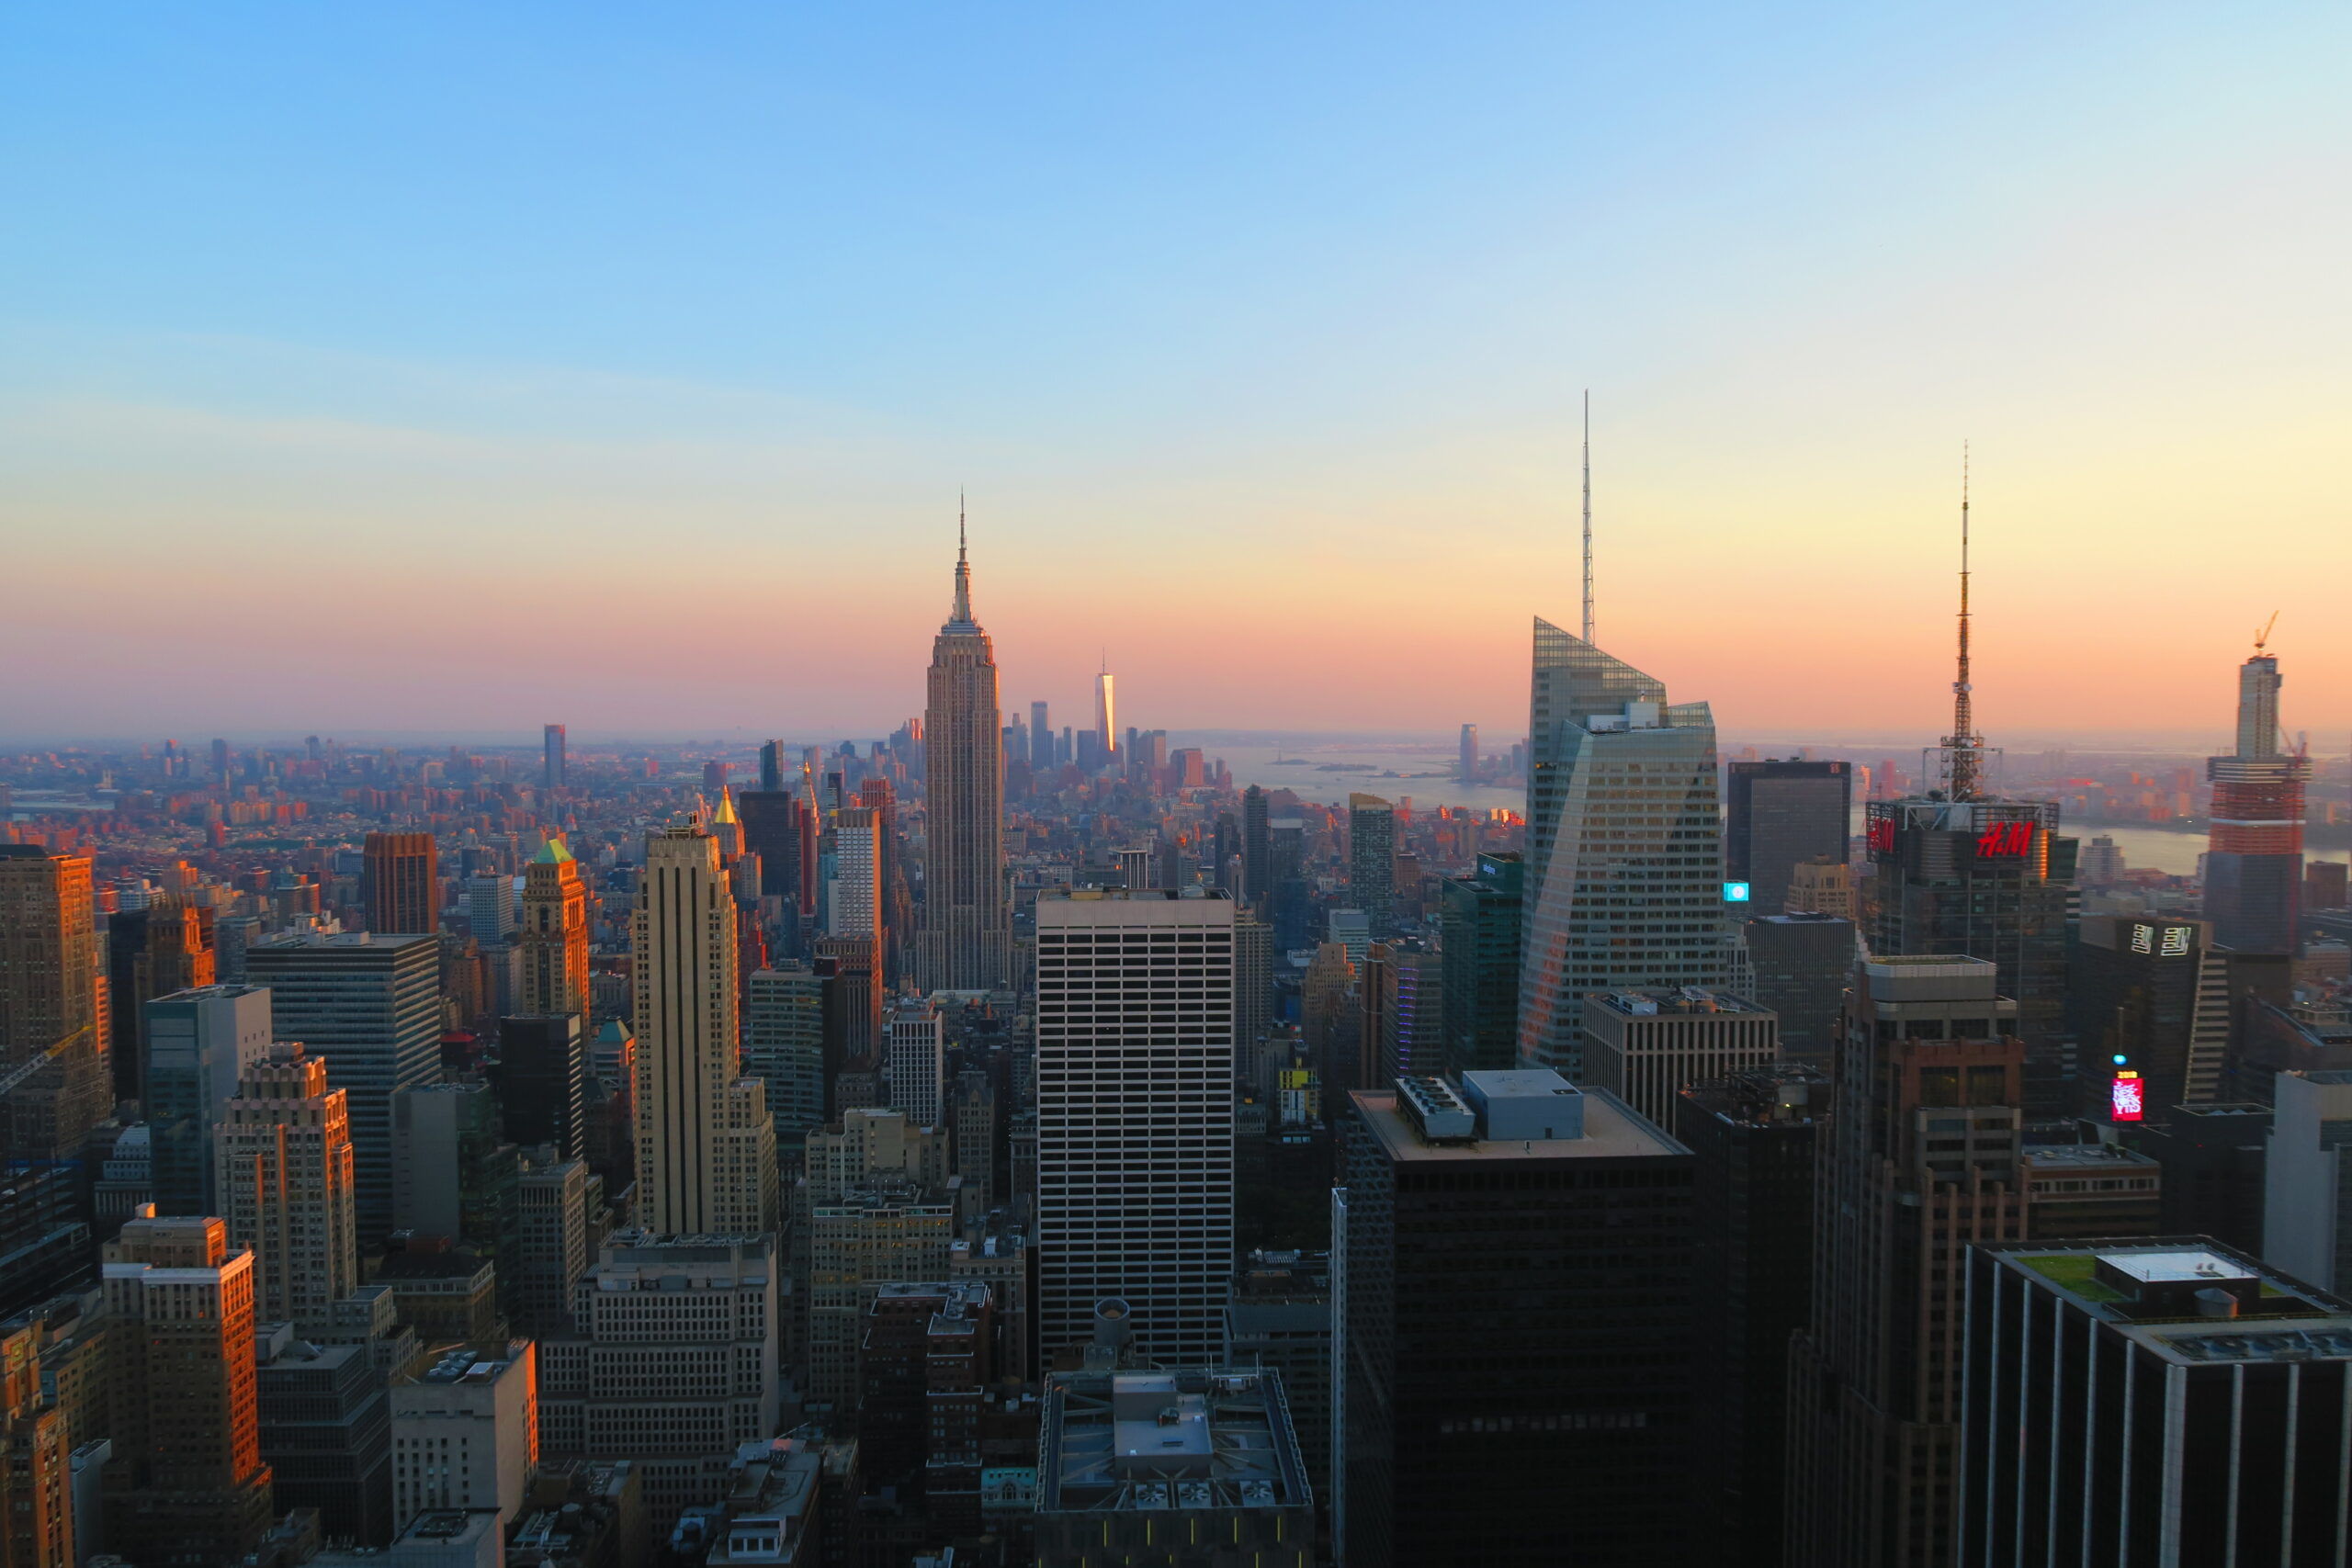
point(1195, 1439)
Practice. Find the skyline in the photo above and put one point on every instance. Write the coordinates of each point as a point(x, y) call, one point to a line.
point(1260, 349)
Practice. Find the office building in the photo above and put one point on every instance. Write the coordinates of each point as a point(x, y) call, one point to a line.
point(1466, 762)
point(187, 1482)
point(776, 826)
point(543, 1081)
point(1646, 1047)
point(552, 941)
point(55, 1084)
point(1799, 966)
point(559, 1214)
point(199, 1044)
point(1253, 994)
point(326, 1433)
point(489, 908)
point(453, 1169)
point(1257, 866)
point(972, 1127)
point(551, 756)
point(369, 1006)
point(1815, 888)
point(1106, 718)
point(1622, 837)
point(2212, 1155)
point(285, 1166)
point(705, 1150)
point(1372, 860)
point(1149, 1468)
point(879, 1210)
point(1478, 923)
point(442, 1290)
point(400, 884)
point(1280, 1318)
point(1463, 1437)
point(1921, 1160)
point(1404, 1009)
point(45, 1233)
point(163, 947)
point(915, 1066)
point(2254, 865)
point(1752, 1136)
point(36, 1469)
point(784, 1047)
point(1779, 816)
point(1042, 761)
point(2168, 1401)
point(967, 943)
point(466, 1431)
point(1135, 1116)
point(2089, 1189)
point(2324, 885)
point(2150, 1003)
point(673, 1364)
point(853, 892)
point(2307, 1214)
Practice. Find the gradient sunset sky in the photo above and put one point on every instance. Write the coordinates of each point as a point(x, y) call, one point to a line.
point(461, 368)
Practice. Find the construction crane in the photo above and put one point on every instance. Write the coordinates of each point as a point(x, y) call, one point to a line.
point(2263, 635)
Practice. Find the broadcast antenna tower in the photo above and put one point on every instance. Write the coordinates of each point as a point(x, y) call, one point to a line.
point(1588, 514)
point(1963, 748)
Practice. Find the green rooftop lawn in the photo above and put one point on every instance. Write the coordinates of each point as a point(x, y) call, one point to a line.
point(2072, 1271)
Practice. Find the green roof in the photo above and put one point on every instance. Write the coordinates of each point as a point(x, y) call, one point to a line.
point(552, 852)
point(2072, 1271)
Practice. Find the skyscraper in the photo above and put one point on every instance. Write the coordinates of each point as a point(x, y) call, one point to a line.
point(199, 1045)
point(784, 1045)
point(1624, 846)
point(163, 947)
point(854, 899)
point(967, 925)
point(1041, 740)
point(1922, 1159)
point(553, 935)
point(916, 1066)
point(705, 1150)
point(1372, 860)
point(551, 756)
point(400, 883)
point(771, 767)
point(1478, 916)
point(2253, 868)
point(1780, 814)
point(369, 1006)
point(285, 1174)
point(1511, 1269)
point(1961, 871)
point(1645, 1047)
point(1257, 866)
point(1467, 763)
point(187, 1482)
point(1135, 1116)
point(53, 1080)
point(543, 1081)
point(1106, 718)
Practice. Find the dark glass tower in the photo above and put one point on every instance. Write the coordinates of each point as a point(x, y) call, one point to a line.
point(1777, 817)
point(1478, 918)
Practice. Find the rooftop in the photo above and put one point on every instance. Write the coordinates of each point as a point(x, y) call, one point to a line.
point(1688, 1002)
point(1613, 1129)
point(1191, 1439)
point(2189, 1299)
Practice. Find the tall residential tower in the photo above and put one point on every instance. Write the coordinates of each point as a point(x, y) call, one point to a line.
point(2254, 867)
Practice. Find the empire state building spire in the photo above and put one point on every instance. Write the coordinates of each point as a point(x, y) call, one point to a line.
point(959, 620)
point(967, 940)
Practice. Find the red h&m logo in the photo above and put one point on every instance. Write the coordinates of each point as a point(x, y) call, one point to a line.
point(2005, 838)
point(1881, 835)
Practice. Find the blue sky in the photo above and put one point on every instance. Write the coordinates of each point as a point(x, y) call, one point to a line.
point(1257, 335)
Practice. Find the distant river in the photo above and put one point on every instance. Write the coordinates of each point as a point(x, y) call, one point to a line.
point(2160, 849)
point(1299, 768)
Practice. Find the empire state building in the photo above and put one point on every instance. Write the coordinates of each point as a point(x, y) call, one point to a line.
point(966, 942)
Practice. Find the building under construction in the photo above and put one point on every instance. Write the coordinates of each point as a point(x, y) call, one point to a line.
point(2254, 867)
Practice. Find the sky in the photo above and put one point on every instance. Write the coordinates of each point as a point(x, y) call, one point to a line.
point(442, 367)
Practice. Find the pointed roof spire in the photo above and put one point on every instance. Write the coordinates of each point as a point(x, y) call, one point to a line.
point(726, 817)
point(959, 618)
point(1963, 748)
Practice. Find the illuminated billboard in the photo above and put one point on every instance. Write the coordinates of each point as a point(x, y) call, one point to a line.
point(2128, 1099)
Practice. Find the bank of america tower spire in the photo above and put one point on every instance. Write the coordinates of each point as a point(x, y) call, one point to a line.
point(967, 943)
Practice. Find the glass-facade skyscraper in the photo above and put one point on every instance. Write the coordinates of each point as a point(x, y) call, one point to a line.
point(1624, 845)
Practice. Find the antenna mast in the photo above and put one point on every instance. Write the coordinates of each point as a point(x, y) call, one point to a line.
point(1963, 748)
point(1588, 514)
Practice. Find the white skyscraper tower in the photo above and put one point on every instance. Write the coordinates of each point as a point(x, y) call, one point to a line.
point(917, 1062)
point(1106, 713)
point(705, 1150)
point(1135, 1116)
